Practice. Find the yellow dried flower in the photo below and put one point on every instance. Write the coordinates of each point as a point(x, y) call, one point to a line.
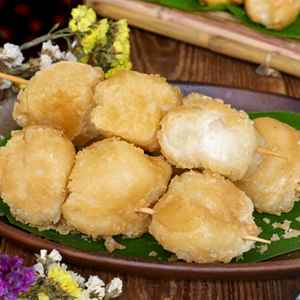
point(79, 12)
point(125, 66)
point(42, 296)
point(73, 25)
point(123, 30)
point(84, 59)
point(101, 30)
point(65, 281)
point(88, 42)
point(118, 46)
point(90, 15)
point(84, 25)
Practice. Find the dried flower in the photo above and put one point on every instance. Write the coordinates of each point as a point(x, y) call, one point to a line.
point(14, 277)
point(11, 55)
point(101, 43)
point(114, 289)
point(45, 61)
point(55, 256)
point(4, 83)
point(51, 50)
point(53, 281)
point(64, 281)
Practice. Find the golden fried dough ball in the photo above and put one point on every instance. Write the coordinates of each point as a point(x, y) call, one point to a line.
point(213, 136)
point(35, 166)
point(272, 185)
point(196, 99)
point(131, 104)
point(212, 2)
point(203, 218)
point(61, 96)
point(110, 182)
point(273, 14)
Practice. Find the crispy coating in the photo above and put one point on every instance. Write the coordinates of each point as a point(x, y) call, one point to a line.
point(197, 99)
point(272, 185)
point(131, 104)
point(211, 136)
point(61, 96)
point(110, 182)
point(212, 2)
point(203, 218)
point(35, 166)
point(273, 14)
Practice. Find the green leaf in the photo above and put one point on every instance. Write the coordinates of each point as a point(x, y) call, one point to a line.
point(140, 248)
point(293, 31)
point(143, 246)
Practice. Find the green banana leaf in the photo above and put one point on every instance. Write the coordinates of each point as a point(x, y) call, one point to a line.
point(146, 245)
point(293, 31)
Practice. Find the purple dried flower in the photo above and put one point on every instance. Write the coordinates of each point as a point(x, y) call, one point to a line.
point(14, 277)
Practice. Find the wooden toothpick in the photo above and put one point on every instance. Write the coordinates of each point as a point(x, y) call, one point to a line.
point(13, 78)
point(257, 239)
point(269, 152)
point(147, 210)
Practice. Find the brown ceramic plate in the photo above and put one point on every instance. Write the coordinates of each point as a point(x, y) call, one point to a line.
point(282, 266)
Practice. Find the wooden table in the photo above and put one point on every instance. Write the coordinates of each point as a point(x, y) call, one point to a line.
point(151, 53)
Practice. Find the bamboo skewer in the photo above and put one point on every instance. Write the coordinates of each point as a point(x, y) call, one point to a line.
point(13, 78)
point(151, 211)
point(257, 239)
point(147, 210)
point(269, 152)
point(200, 31)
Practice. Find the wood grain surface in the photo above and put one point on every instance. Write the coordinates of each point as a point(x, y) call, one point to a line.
point(152, 53)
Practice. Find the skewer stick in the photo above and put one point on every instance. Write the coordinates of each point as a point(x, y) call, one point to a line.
point(257, 239)
point(297, 188)
point(147, 210)
point(13, 78)
point(269, 152)
point(151, 211)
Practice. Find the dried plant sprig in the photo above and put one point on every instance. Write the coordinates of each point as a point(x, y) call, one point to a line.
point(50, 279)
point(103, 43)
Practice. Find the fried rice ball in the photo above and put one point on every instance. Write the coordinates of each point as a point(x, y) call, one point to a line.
point(272, 185)
point(130, 105)
point(273, 14)
point(61, 95)
point(204, 218)
point(110, 182)
point(35, 166)
point(197, 99)
point(210, 136)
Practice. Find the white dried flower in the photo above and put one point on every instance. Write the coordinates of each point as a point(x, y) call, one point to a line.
point(86, 295)
point(78, 278)
point(55, 256)
point(4, 83)
point(96, 285)
point(39, 269)
point(55, 52)
point(11, 55)
point(115, 287)
point(43, 257)
point(46, 61)
point(57, 264)
point(69, 56)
